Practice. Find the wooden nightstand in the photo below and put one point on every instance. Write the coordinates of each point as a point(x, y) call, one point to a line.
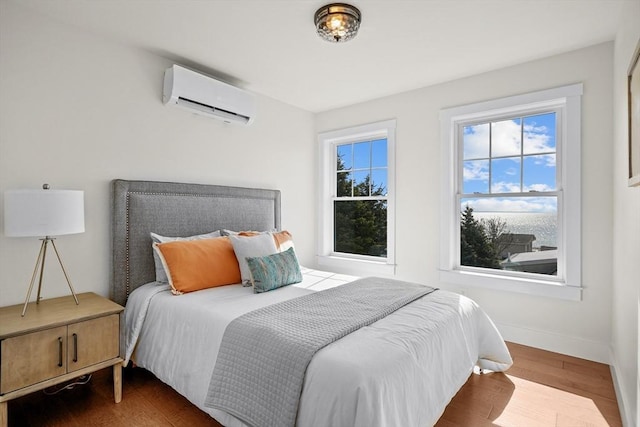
point(57, 341)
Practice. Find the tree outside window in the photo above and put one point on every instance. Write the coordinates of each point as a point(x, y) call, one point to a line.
point(360, 207)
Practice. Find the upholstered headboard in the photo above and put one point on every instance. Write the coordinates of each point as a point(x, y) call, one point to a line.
point(175, 209)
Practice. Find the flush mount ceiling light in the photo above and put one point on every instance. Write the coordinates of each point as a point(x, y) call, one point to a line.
point(337, 22)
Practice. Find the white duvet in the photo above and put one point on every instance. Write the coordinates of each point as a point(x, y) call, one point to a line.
point(400, 371)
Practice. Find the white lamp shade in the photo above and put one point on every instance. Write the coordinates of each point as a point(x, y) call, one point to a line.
point(43, 213)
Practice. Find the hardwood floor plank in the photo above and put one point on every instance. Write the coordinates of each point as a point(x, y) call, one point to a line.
point(551, 357)
point(567, 421)
point(558, 401)
point(477, 407)
point(599, 370)
point(519, 351)
point(565, 380)
point(456, 416)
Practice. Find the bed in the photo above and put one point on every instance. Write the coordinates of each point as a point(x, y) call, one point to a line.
point(400, 370)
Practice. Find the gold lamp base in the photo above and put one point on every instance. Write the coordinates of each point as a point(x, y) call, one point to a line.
point(40, 264)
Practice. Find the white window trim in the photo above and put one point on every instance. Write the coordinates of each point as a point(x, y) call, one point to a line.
point(569, 219)
point(345, 263)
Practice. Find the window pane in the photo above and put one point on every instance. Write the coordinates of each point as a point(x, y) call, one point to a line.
point(344, 157)
point(379, 153)
point(506, 138)
point(510, 233)
point(379, 182)
point(475, 177)
point(362, 155)
point(361, 183)
point(539, 134)
point(539, 173)
point(343, 184)
point(505, 175)
point(476, 141)
point(361, 227)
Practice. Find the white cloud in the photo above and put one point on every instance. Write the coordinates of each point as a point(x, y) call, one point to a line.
point(514, 187)
point(506, 139)
point(536, 139)
point(476, 141)
point(476, 171)
point(514, 204)
point(538, 187)
point(548, 160)
point(505, 187)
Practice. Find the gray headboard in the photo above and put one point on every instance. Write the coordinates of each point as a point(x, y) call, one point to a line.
point(175, 209)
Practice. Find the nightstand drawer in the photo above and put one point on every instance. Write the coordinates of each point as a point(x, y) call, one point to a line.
point(92, 341)
point(32, 358)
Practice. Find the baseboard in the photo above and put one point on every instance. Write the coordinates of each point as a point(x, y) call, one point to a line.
point(620, 386)
point(558, 343)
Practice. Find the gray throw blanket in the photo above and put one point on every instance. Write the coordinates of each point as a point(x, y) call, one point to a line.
point(264, 354)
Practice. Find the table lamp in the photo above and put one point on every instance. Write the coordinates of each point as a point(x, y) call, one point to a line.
point(43, 213)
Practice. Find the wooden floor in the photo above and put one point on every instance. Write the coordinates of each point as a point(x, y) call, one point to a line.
point(541, 389)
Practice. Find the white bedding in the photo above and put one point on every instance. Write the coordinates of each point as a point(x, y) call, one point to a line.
point(400, 371)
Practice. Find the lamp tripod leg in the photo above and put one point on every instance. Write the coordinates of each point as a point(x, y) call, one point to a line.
point(33, 277)
point(65, 272)
point(45, 241)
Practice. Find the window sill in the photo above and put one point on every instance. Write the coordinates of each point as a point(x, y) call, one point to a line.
point(542, 288)
point(356, 267)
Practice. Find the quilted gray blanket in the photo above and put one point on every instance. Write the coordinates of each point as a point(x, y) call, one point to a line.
point(264, 354)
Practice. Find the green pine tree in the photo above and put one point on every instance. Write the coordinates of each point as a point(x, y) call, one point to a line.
point(476, 249)
point(360, 225)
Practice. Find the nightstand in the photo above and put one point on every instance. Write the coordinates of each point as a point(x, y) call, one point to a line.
point(55, 342)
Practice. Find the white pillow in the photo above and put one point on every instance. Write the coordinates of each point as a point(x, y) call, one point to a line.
point(161, 274)
point(251, 246)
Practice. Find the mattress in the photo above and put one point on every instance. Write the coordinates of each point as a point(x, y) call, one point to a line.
point(400, 370)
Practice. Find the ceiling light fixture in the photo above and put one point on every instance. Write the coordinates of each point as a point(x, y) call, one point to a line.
point(337, 22)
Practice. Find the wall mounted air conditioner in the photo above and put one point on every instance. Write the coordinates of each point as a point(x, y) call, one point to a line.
point(207, 96)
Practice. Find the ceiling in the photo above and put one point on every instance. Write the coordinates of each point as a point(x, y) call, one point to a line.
point(270, 46)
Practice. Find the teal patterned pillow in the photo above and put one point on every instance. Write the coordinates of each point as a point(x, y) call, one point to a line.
point(274, 271)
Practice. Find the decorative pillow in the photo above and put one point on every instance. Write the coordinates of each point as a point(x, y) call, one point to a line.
point(274, 271)
point(251, 246)
point(245, 233)
point(161, 275)
point(283, 239)
point(192, 265)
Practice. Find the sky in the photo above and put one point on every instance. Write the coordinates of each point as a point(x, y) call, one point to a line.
point(364, 158)
point(510, 156)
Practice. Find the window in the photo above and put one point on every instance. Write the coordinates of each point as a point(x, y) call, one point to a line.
point(508, 199)
point(356, 220)
point(511, 193)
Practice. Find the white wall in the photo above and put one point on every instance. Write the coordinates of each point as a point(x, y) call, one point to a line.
point(626, 230)
point(577, 328)
point(77, 111)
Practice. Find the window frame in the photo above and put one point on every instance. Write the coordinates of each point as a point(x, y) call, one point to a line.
point(345, 262)
point(566, 102)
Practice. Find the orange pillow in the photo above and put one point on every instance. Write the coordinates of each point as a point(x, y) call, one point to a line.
point(284, 240)
point(199, 264)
